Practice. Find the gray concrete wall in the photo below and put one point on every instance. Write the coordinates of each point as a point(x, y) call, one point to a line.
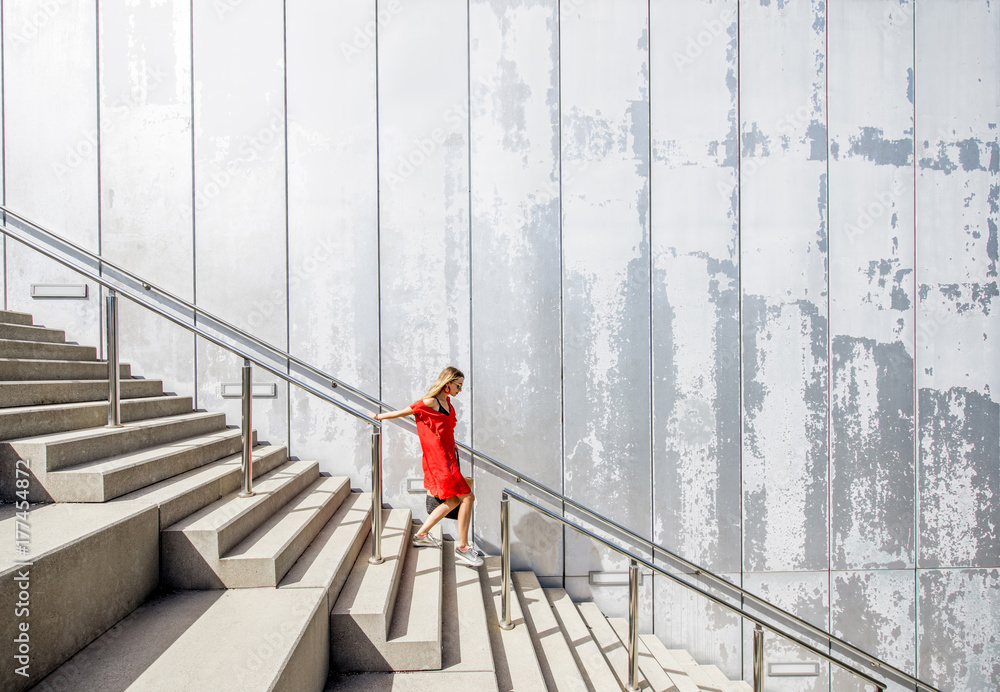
point(722, 270)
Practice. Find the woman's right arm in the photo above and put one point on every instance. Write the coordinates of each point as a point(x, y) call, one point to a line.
point(408, 411)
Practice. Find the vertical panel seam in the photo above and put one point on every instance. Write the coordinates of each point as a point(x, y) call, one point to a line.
point(739, 301)
point(378, 219)
point(468, 110)
point(288, 262)
point(562, 285)
point(97, 113)
point(3, 149)
point(649, 285)
point(829, 336)
point(194, 212)
point(916, 376)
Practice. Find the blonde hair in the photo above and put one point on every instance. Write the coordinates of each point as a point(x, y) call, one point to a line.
point(447, 376)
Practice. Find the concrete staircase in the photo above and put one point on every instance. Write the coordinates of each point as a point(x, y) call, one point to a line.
point(140, 568)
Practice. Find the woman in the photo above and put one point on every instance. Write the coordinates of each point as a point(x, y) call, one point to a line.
point(442, 477)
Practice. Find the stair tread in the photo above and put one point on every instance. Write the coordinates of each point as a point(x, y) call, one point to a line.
point(465, 640)
point(514, 656)
point(416, 616)
point(36, 350)
point(611, 646)
point(85, 434)
point(558, 664)
point(17, 393)
point(415, 681)
point(656, 676)
point(586, 651)
point(370, 588)
point(328, 560)
point(148, 455)
point(31, 369)
point(31, 332)
point(14, 317)
point(174, 495)
point(272, 537)
point(201, 640)
point(666, 659)
point(45, 408)
point(54, 526)
point(228, 509)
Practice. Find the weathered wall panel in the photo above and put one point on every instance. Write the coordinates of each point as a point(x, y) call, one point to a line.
point(695, 309)
point(958, 185)
point(783, 237)
point(424, 220)
point(876, 611)
point(957, 612)
point(606, 280)
point(51, 139)
point(686, 620)
point(872, 292)
point(516, 263)
point(333, 220)
point(146, 170)
point(807, 595)
point(239, 186)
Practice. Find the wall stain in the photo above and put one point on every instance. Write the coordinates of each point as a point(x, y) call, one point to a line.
point(959, 519)
point(872, 145)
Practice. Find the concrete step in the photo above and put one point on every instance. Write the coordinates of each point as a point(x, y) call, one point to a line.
point(707, 678)
point(91, 566)
point(265, 556)
point(242, 640)
point(591, 662)
point(669, 663)
point(9, 317)
point(411, 682)
point(611, 646)
point(28, 421)
point(327, 561)
point(47, 453)
point(465, 640)
point(182, 495)
point(42, 392)
point(652, 671)
point(40, 350)
point(24, 332)
point(105, 479)
point(20, 369)
point(557, 662)
point(365, 632)
point(517, 667)
point(191, 549)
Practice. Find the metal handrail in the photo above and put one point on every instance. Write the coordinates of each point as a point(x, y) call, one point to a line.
point(635, 560)
point(141, 300)
point(275, 352)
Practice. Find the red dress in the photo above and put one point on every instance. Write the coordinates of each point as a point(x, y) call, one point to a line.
point(442, 476)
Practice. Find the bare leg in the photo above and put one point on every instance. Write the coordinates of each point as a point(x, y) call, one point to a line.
point(464, 519)
point(437, 515)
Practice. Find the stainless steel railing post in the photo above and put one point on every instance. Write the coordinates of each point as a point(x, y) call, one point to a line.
point(376, 558)
point(114, 370)
point(633, 626)
point(505, 621)
point(246, 425)
point(758, 659)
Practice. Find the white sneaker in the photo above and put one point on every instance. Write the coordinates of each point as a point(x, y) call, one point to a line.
point(425, 541)
point(469, 556)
